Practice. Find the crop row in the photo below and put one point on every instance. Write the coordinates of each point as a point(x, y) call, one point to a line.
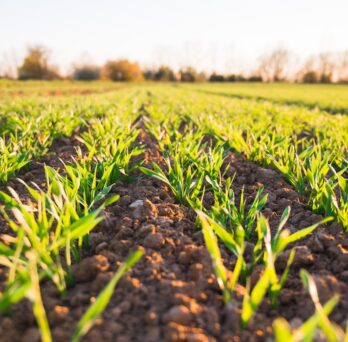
point(52, 228)
point(308, 147)
point(330, 98)
point(195, 134)
point(28, 127)
point(194, 168)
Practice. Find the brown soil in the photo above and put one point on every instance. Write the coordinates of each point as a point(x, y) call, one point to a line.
point(172, 293)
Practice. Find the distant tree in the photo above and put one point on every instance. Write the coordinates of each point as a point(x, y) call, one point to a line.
point(342, 69)
point(255, 78)
point(149, 75)
point(231, 78)
point(310, 77)
point(273, 66)
point(216, 78)
point(86, 73)
point(9, 65)
point(188, 74)
point(165, 73)
point(201, 77)
point(35, 65)
point(122, 70)
point(235, 78)
point(308, 68)
point(326, 66)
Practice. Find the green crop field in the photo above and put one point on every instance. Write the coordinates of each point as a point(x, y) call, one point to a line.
point(331, 98)
point(173, 212)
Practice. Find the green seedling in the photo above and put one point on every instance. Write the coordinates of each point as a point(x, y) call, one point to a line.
point(227, 280)
point(185, 183)
point(265, 252)
point(231, 215)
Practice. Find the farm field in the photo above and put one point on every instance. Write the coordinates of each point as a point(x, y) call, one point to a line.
point(170, 212)
point(332, 98)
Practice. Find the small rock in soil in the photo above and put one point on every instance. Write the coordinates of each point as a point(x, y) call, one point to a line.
point(101, 246)
point(153, 334)
point(115, 328)
point(315, 245)
point(100, 281)
point(241, 180)
point(145, 212)
point(266, 173)
point(164, 221)
point(154, 241)
point(195, 272)
point(151, 317)
point(284, 202)
point(136, 204)
point(58, 314)
point(124, 232)
point(32, 335)
point(179, 314)
point(145, 230)
point(88, 268)
point(297, 218)
point(125, 200)
point(184, 258)
point(303, 257)
point(344, 275)
point(96, 238)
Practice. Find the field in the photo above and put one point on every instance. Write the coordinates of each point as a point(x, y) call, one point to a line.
point(330, 98)
point(171, 212)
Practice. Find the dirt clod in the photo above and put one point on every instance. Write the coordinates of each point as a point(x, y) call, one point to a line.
point(179, 314)
point(88, 268)
point(155, 241)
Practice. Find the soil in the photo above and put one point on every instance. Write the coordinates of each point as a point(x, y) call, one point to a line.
point(172, 293)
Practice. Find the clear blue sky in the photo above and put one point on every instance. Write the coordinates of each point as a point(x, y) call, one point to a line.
point(214, 34)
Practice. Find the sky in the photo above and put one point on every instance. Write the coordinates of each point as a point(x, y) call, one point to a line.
point(221, 35)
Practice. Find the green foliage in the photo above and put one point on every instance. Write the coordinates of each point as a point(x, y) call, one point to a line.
point(35, 66)
point(195, 132)
point(265, 252)
point(122, 70)
point(185, 183)
point(55, 221)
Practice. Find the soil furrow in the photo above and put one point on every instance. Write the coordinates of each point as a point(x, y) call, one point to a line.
point(172, 294)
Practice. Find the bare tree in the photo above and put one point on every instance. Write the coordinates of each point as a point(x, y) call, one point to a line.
point(307, 72)
point(9, 64)
point(326, 67)
point(274, 66)
point(342, 68)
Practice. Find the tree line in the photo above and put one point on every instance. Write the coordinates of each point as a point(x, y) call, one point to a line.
point(277, 66)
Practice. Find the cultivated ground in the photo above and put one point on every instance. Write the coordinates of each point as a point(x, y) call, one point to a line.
point(202, 182)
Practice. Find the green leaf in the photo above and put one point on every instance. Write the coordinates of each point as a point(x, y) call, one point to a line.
point(111, 200)
point(282, 331)
point(284, 241)
point(79, 228)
